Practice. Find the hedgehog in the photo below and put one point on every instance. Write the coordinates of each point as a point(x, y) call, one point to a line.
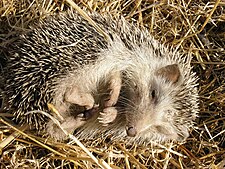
point(128, 87)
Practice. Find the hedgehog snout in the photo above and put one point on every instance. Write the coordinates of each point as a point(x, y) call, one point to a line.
point(131, 131)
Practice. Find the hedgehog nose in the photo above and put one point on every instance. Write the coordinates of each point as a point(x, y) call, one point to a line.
point(131, 131)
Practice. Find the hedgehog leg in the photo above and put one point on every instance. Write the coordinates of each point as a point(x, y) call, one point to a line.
point(76, 96)
point(109, 113)
point(114, 87)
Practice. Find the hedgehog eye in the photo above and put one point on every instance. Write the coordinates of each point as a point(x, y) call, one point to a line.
point(153, 94)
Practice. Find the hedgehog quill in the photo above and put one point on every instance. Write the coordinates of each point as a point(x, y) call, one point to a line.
point(129, 88)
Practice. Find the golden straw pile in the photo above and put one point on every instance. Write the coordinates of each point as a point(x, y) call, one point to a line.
point(195, 27)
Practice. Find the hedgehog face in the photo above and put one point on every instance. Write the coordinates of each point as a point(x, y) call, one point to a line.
point(150, 111)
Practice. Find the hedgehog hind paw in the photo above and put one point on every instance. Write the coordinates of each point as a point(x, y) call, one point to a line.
point(67, 127)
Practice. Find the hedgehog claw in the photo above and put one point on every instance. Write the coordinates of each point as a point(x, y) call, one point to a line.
point(108, 115)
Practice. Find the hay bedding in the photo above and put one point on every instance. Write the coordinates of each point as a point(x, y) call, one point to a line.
point(193, 27)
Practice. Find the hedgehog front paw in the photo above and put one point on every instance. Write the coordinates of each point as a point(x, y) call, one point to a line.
point(108, 115)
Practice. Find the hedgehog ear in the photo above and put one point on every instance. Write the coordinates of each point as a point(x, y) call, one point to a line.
point(170, 72)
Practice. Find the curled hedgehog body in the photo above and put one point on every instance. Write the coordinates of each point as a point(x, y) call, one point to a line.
point(130, 87)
